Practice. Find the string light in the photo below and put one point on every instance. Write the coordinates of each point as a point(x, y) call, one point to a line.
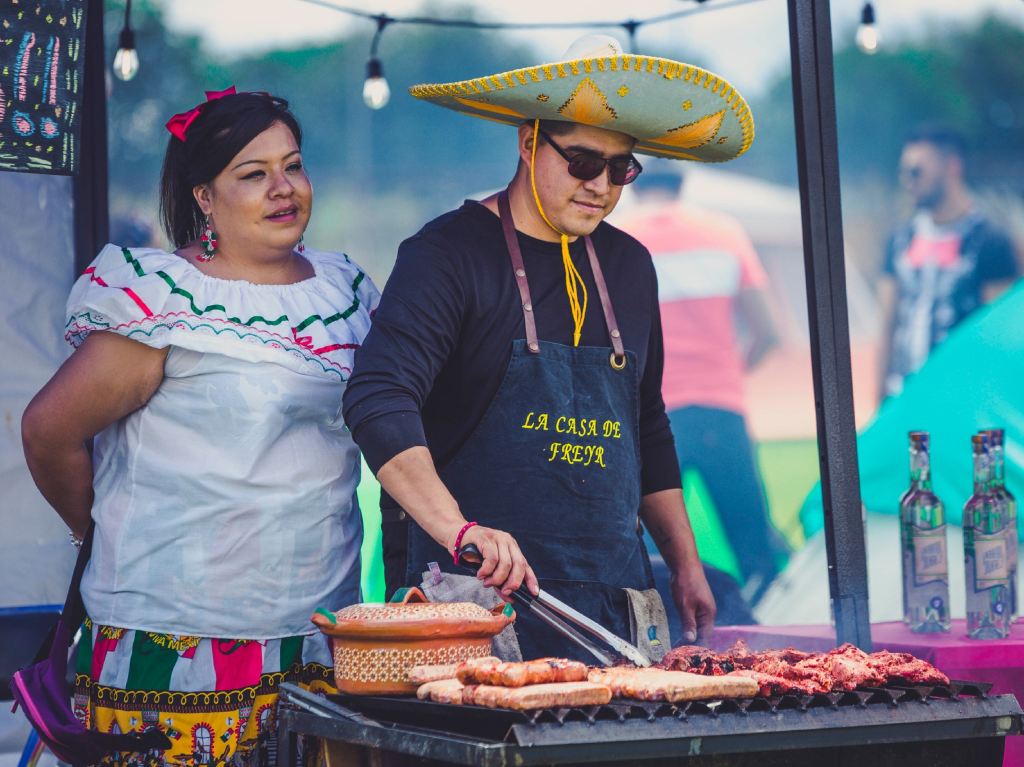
point(703, 6)
point(126, 60)
point(376, 92)
point(867, 32)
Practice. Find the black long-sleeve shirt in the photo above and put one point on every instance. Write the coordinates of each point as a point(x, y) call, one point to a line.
point(441, 338)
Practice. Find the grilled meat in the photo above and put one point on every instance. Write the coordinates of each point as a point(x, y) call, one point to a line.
point(442, 691)
point(790, 670)
point(671, 686)
point(488, 671)
point(904, 667)
point(557, 695)
point(697, 660)
point(436, 672)
point(768, 685)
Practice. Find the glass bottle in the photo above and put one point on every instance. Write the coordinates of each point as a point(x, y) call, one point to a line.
point(985, 552)
point(1000, 490)
point(923, 539)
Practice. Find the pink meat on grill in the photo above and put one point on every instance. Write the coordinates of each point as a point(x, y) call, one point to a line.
point(768, 685)
point(844, 668)
point(904, 667)
point(812, 677)
point(786, 655)
point(794, 671)
point(696, 660)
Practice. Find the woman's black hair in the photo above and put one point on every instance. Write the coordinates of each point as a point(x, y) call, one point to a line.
point(222, 129)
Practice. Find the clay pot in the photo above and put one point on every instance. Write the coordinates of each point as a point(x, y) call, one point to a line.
point(375, 645)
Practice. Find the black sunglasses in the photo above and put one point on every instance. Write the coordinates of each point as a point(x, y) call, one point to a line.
point(912, 172)
point(588, 165)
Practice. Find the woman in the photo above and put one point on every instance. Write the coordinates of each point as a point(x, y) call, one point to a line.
point(222, 478)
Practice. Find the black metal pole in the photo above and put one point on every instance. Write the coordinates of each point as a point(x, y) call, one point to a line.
point(814, 109)
point(92, 224)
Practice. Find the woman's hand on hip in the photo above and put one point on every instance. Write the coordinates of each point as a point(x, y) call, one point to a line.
point(106, 379)
point(504, 566)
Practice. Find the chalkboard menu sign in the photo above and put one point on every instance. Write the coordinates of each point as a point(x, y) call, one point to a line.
point(41, 79)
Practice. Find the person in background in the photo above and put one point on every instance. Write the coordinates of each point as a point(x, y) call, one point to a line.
point(717, 325)
point(944, 263)
point(220, 488)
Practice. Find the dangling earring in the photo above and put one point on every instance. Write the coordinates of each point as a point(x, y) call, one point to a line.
point(301, 247)
point(209, 242)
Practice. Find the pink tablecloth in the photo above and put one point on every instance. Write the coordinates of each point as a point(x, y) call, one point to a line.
point(999, 661)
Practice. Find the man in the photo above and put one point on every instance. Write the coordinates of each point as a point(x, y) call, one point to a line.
point(944, 263)
point(493, 389)
point(710, 284)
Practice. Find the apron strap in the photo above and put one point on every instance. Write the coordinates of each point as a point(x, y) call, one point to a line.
point(618, 357)
point(606, 304)
point(512, 243)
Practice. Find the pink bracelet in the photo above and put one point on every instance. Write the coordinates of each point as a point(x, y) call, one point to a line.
point(458, 540)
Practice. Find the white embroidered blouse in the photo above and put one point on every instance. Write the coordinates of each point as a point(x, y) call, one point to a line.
point(224, 507)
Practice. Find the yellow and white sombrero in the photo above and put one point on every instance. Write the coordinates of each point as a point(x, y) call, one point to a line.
point(672, 109)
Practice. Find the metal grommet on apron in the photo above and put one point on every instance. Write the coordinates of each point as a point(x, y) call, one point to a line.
point(555, 461)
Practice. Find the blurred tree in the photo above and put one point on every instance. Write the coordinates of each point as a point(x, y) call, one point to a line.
point(966, 76)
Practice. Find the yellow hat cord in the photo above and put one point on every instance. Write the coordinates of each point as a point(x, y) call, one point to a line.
point(573, 281)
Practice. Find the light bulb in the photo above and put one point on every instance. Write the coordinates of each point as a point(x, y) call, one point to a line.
point(126, 60)
point(867, 39)
point(867, 32)
point(126, 63)
point(376, 92)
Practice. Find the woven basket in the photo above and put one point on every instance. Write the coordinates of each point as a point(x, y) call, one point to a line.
point(375, 645)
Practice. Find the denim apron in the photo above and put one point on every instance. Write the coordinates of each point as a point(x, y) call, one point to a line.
point(555, 461)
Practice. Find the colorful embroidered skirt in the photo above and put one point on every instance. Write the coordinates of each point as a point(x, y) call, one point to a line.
point(214, 698)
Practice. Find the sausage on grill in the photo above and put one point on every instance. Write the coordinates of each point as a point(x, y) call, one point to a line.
point(442, 691)
point(542, 671)
point(433, 673)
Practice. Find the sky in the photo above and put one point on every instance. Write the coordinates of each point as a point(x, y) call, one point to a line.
point(743, 40)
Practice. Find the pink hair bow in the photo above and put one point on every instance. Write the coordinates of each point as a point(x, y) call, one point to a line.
point(179, 124)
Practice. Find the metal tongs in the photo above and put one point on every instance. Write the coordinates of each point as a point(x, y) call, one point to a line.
point(563, 618)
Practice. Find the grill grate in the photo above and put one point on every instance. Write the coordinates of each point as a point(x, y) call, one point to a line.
point(494, 723)
point(621, 710)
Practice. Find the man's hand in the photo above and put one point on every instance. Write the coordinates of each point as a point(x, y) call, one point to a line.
point(696, 605)
point(411, 479)
point(664, 513)
point(504, 567)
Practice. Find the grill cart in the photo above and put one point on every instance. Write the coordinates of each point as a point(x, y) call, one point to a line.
point(956, 725)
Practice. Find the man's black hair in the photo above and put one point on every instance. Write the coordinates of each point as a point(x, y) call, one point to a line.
point(943, 137)
point(555, 127)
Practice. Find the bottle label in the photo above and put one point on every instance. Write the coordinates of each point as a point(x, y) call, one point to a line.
point(930, 562)
point(990, 561)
